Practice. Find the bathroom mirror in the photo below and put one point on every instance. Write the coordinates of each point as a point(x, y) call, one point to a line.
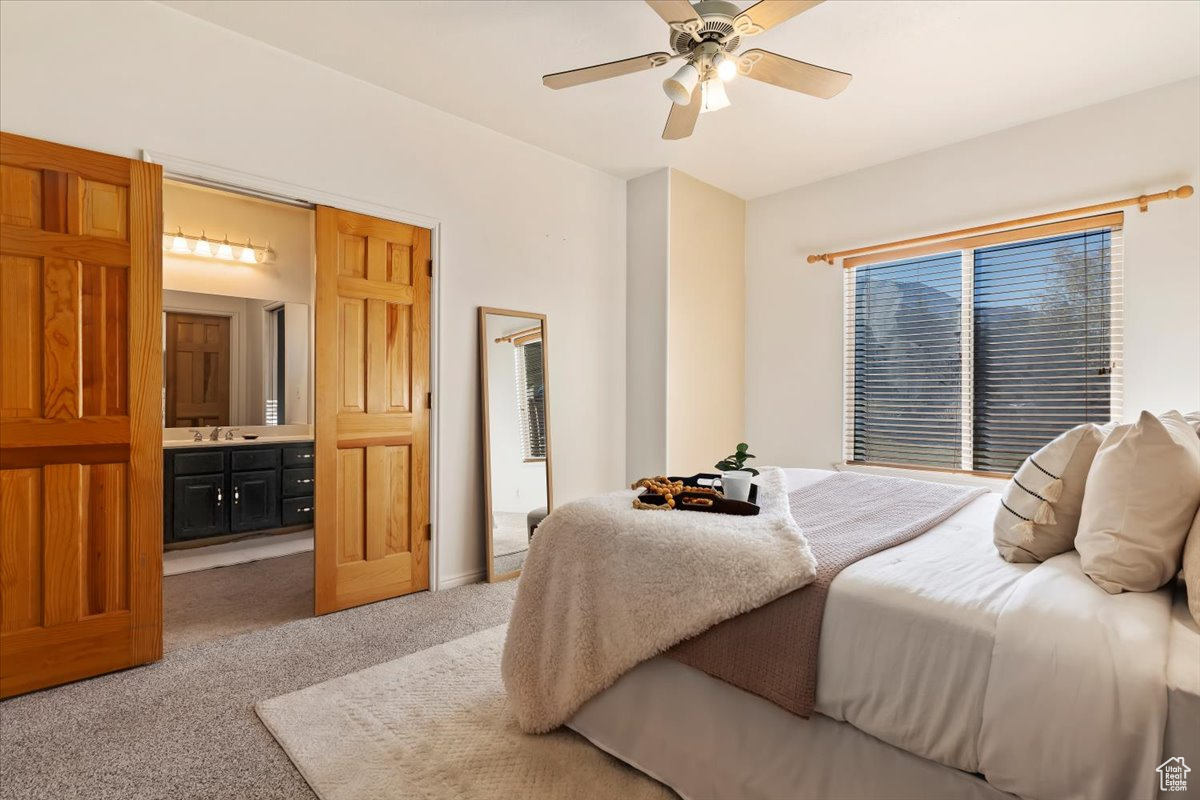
point(234, 361)
point(518, 483)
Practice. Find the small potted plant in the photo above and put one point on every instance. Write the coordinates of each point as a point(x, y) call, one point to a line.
point(737, 461)
point(735, 475)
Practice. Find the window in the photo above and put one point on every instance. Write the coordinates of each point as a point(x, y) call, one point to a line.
point(974, 357)
point(531, 406)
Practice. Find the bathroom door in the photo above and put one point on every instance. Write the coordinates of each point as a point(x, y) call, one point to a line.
point(372, 410)
point(80, 413)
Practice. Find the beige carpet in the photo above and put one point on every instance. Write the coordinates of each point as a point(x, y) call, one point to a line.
point(218, 603)
point(435, 725)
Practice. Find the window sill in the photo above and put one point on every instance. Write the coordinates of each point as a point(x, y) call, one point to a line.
point(919, 474)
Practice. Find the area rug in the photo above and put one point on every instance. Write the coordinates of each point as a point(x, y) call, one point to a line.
point(435, 725)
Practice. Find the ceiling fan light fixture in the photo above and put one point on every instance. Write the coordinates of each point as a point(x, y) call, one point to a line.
point(713, 96)
point(726, 66)
point(680, 85)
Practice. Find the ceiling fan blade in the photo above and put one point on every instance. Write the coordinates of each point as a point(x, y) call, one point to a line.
point(574, 77)
point(682, 119)
point(766, 14)
point(673, 10)
point(789, 73)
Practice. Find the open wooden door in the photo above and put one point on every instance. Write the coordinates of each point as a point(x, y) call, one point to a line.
point(197, 366)
point(80, 413)
point(372, 410)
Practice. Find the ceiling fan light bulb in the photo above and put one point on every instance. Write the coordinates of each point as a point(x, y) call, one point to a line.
point(726, 67)
point(680, 85)
point(713, 96)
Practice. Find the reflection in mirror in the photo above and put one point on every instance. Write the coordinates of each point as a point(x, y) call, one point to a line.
point(234, 361)
point(517, 466)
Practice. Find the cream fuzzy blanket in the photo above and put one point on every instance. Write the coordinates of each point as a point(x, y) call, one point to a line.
point(605, 587)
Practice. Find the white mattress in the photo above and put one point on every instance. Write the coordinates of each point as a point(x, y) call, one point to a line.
point(906, 648)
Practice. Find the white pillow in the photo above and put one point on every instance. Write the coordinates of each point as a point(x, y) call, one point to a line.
point(1191, 568)
point(1039, 512)
point(1142, 494)
point(1193, 419)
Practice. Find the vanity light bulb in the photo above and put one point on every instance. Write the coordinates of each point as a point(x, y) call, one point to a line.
point(180, 243)
point(248, 256)
point(225, 251)
point(203, 248)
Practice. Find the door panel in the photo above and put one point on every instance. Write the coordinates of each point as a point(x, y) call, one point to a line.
point(200, 507)
point(255, 501)
point(80, 426)
point(372, 508)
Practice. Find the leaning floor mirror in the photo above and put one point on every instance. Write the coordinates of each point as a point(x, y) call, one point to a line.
point(518, 486)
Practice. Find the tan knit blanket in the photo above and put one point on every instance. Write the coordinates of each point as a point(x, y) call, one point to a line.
point(772, 651)
point(606, 586)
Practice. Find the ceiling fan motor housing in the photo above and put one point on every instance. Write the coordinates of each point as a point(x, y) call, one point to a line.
point(718, 16)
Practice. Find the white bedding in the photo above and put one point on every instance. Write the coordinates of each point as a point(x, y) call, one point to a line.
point(909, 654)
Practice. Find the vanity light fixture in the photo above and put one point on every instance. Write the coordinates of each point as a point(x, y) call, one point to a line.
point(186, 244)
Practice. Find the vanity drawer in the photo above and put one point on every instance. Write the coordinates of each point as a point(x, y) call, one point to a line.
point(297, 510)
point(297, 481)
point(299, 455)
point(203, 463)
point(254, 458)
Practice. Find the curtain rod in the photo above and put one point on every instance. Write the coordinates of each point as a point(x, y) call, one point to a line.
point(1141, 201)
point(520, 334)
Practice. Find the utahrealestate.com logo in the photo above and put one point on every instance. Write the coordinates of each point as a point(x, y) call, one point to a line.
point(1172, 775)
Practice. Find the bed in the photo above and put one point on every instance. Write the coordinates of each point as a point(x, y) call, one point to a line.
point(938, 661)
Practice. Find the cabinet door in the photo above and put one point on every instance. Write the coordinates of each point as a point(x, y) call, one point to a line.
point(200, 506)
point(255, 500)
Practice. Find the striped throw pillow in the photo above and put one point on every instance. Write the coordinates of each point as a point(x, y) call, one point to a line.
point(1039, 511)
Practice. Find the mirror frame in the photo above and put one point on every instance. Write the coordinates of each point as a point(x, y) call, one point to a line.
point(492, 575)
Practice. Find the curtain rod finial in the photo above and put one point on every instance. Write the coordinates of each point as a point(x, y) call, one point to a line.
point(1184, 191)
point(813, 259)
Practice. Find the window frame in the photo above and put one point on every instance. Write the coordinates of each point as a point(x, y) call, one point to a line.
point(967, 246)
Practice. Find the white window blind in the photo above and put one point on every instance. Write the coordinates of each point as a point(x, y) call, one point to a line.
point(531, 405)
point(975, 357)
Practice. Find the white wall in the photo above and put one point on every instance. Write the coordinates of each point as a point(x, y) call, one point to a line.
point(706, 325)
point(1139, 143)
point(521, 228)
point(647, 247)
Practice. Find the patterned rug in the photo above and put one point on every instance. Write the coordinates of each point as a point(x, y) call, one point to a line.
point(435, 725)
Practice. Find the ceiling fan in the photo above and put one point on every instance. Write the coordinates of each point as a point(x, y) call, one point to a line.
point(706, 35)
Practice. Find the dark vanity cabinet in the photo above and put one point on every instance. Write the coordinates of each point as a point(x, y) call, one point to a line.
point(216, 491)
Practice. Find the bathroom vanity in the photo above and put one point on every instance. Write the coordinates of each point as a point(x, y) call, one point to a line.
point(219, 488)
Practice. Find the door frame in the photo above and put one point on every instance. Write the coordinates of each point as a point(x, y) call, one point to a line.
point(217, 177)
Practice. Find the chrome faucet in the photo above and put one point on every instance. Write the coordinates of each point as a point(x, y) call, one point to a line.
point(215, 436)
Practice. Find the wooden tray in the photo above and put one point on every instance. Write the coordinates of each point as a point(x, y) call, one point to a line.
point(720, 504)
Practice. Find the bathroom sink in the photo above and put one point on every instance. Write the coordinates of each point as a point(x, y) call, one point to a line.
point(237, 441)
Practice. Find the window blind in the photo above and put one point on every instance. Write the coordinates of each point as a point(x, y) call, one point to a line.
point(531, 404)
point(906, 359)
point(975, 357)
point(1043, 343)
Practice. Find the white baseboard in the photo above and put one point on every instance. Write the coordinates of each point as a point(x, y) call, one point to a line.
point(451, 581)
point(176, 562)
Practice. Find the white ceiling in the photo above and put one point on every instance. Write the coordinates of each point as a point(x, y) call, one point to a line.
point(926, 73)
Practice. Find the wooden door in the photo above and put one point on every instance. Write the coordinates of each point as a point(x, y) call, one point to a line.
point(80, 413)
point(197, 366)
point(372, 410)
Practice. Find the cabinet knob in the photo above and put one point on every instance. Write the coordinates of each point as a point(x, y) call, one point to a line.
point(220, 498)
point(236, 496)
point(305, 480)
point(303, 510)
